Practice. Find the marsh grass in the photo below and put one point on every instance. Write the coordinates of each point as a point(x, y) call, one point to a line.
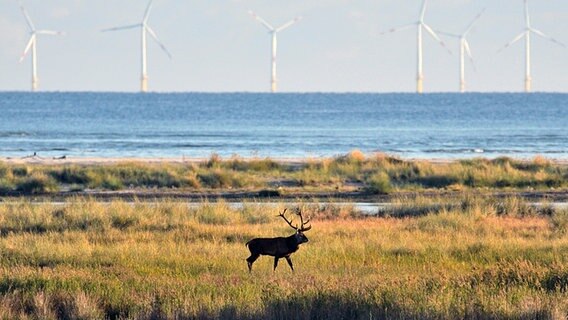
point(427, 259)
point(378, 173)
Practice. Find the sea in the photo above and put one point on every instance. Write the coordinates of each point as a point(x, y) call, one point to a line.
point(283, 125)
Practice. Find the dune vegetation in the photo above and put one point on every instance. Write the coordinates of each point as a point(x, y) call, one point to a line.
point(422, 258)
point(373, 174)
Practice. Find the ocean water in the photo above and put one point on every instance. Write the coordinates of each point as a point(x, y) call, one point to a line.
point(283, 125)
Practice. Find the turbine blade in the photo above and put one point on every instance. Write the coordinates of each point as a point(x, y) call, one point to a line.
point(51, 33)
point(423, 11)
point(527, 15)
point(435, 36)
point(147, 12)
point(153, 34)
point(28, 19)
point(473, 22)
point(259, 19)
point(288, 24)
point(122, 28)
point(396, 29)
point(547, 37)
point(431, 32)
point(517, 38)
point(468, 51)
point(27, 49)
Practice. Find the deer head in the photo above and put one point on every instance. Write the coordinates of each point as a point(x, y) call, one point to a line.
point(300, 237)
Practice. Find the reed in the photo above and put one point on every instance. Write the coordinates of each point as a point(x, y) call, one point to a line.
point(469, 257)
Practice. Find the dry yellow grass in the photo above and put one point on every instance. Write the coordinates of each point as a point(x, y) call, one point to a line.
point(91, 260)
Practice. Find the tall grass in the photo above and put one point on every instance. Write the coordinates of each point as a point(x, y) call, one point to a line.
point(374, 174)
point(474, 204)
point(464, 258)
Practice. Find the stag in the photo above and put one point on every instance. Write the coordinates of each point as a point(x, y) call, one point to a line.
point(280, 247)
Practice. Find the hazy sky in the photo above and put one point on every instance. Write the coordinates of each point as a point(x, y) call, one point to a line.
point(217, 46)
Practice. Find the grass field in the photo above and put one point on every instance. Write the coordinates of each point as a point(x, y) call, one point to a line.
point(374, 174)
point(470, 257)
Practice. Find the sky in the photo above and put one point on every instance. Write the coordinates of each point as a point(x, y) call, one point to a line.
point(337, 46)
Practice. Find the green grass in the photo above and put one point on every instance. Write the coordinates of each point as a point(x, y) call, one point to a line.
point(375, 174)
point(471, 257)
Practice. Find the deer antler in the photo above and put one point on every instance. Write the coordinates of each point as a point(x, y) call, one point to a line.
point(289, 222)
point(302, 223)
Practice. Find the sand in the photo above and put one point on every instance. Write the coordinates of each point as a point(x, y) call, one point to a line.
point(109, 160)
point(35, 159)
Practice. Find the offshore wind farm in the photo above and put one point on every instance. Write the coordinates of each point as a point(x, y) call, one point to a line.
point(385, 68)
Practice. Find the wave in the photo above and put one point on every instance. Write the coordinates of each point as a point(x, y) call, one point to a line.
point(14, 134)
point(55, 149)
point(458, 150)
point(490, 151)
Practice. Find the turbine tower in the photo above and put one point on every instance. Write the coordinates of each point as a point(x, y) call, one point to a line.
point(420, 25)
point(273, 31)
point(145, 29)
point(527, 35)
point(32, 44)
point(464, 48)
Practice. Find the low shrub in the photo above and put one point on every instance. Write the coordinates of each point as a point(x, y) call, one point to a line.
point(6, 186)
point(379, 183)
point(218, 179)
point(559, 221)
point(37, 183)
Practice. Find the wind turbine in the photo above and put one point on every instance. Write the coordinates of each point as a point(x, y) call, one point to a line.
point(145, 29)
point(527, 35)
point(420, 25)
point(464, 48)
point(273, 31)
point(32, 44)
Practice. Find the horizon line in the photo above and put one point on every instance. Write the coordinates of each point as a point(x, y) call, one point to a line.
point(282, 92)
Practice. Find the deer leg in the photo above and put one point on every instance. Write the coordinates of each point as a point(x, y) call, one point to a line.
point(251, 260)
point(275, 263)
point(289, 260)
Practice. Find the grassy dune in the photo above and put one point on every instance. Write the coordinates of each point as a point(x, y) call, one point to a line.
point(355, 171)
point(471, 257)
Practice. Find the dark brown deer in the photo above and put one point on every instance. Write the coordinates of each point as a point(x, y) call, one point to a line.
point(279, 247)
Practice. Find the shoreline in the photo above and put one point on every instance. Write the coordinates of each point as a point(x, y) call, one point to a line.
point(66, 160)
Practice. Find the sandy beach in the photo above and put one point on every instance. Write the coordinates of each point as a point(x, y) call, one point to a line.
point(285, 160)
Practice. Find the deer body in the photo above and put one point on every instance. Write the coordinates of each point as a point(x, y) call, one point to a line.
point(279, 247)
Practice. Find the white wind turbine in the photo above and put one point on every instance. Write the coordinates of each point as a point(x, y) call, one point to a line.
point(145, 29)
point(32, 44)
point(420, 25)
point(273, 31)
point(527, 35)
point(464, 48)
